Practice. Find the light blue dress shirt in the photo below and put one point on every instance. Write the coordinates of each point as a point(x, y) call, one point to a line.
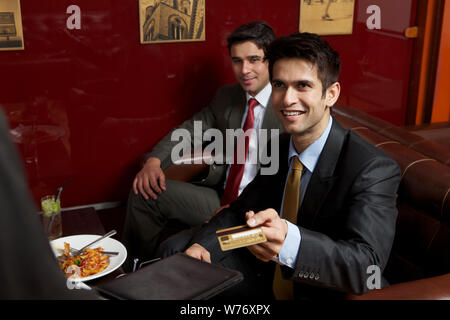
point(309, 158)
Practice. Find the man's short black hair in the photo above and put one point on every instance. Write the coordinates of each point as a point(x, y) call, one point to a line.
point(257, 31)
point(309, 47)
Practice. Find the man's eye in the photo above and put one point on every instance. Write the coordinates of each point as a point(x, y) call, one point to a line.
point(303, 85)
point(277, 84)
point(255, 59)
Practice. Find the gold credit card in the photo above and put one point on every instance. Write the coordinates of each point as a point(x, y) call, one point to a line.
point(240, 236)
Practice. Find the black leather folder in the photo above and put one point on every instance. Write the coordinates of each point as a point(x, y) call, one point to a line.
point(178, 277)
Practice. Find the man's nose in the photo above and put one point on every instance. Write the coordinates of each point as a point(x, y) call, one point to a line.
point(290, 97)
point(245, 67)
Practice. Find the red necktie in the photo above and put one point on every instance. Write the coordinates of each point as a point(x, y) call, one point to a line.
point(237, 169)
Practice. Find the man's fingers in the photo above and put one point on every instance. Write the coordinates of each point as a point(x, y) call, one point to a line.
point(162, 181)
point(261, 252)
point(154, 184)
point(135, 186)
point(198, 252)
point(249, 215)
point(147, 190)
point(261, 217)
point(206, 256)
point(141, 189)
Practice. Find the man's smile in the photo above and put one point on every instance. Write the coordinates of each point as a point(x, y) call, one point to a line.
point(248, 80)
point(292, 114)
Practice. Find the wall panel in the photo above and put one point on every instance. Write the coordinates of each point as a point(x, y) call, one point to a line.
point(85, 104)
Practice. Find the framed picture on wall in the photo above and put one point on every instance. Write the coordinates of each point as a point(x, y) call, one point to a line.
point(11, 34)
point(326, 17)
point(171, 20)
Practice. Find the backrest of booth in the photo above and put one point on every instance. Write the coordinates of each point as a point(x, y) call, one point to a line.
point(422, 243)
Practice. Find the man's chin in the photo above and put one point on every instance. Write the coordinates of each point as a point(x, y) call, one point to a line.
point(291, 129)
point(247, 88)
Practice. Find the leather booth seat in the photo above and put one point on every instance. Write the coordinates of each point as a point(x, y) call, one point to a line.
point(419, 266)
point(394, 133)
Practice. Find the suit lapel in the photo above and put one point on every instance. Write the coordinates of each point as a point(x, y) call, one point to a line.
point(270, 120)
point(323, 177)
point(236, 111)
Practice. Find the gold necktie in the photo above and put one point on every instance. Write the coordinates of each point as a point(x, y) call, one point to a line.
point(282, 288)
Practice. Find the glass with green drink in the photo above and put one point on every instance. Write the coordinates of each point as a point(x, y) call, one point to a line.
point(51, 216)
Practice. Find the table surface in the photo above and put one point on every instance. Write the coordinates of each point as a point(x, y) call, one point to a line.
point(81, 221)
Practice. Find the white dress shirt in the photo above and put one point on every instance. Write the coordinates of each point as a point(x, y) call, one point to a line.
point(251, 163)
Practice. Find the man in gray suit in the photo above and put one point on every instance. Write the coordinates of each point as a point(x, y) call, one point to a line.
point(154, 200)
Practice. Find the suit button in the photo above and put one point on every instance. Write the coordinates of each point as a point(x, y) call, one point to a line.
point(214, 166)
point(311, 275)
point(300, 274)
point(306, 275)
point(317, 277)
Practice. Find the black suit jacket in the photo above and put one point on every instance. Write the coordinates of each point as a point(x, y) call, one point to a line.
point(346, 220)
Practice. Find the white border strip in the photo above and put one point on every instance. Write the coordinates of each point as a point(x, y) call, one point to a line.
point(96, 206)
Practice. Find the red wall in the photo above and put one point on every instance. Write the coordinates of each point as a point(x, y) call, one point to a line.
point(85, 104)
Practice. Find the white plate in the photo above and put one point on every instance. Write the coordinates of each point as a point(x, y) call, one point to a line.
point(107, 244)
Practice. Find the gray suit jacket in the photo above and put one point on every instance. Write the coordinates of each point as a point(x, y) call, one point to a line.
point(224, 112)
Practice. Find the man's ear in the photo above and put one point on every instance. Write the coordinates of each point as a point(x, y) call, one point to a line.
point(332, 94)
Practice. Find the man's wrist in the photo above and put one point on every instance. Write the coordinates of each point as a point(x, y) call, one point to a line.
point(152, 161)
point(286, 228)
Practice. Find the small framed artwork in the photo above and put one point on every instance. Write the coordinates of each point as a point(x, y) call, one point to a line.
point(11, 34)
point(326, 17)
point(171, 20)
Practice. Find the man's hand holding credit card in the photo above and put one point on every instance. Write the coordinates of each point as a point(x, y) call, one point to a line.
point(240, 236)
point(264, 234)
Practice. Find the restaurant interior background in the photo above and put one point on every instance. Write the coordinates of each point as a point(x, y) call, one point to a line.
point(84, 105)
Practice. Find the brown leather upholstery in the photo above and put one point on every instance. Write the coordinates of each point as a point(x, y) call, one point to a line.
point(419, 266)
point(426, 289)
point(395, 133)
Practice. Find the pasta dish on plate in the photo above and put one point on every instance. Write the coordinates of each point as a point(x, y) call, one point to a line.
point(90, 262)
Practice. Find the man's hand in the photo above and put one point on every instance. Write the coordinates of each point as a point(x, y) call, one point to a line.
point(150, 181)
point(274, 228)
point(198, 252)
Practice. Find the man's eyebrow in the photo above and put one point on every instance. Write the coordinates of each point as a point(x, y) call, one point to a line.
point(295, 82)
point(305, 81)
point(248, 57)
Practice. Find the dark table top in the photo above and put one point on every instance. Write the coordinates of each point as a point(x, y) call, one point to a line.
point(81, 221)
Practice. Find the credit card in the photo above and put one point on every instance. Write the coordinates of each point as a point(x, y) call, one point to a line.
point(240, 236)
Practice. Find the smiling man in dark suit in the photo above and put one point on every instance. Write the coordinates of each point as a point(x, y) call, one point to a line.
point(326, 224)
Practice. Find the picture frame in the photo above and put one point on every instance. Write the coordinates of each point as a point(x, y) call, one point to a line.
point(327, 17)
point(163, 21)
point(11, 31)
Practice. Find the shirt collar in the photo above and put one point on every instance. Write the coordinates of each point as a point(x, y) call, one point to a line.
point(310, 155)
point(263, 96)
